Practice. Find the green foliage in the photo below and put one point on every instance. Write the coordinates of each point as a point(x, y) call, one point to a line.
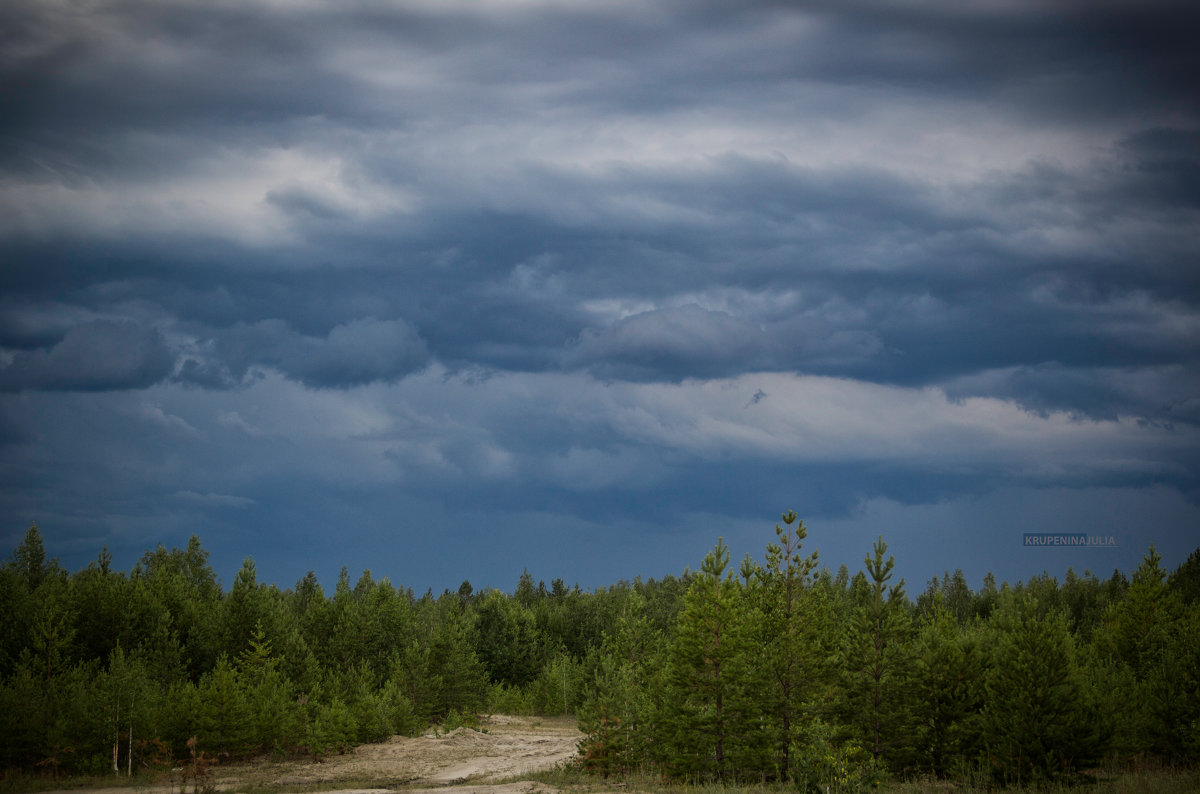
point(764, 672)
point(506, 640)
point(1151, 633)
point(128, 701)
point(946, 692)
point(609, 718)
point(274, 714)
point(1038, 722)
point(329, 728)
point(1172, 689)
point(1185, 581)
point(369, 711)
point(504, 699)
point(397, 711)
point(558, 689)
point(792, 628)
point(1119, 701)
point(456, 675)
point(456, 719)
point(617, 709)
point(710, 730)
point(29, 560)
point(1137, 627)
point(876, 665)
point(221, 709)
point(412, 677)
point(824, 764)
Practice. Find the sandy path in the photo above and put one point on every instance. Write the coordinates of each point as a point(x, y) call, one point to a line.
point(511, 746)
point(463, 761)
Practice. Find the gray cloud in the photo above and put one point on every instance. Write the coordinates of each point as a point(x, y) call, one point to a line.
point(1166, 395)
point(536, 262)
point(353, 353)
point(214, 499)
point(687, 341)
point(94, 356)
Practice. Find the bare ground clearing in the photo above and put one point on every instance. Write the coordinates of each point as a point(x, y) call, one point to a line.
point(463, 761)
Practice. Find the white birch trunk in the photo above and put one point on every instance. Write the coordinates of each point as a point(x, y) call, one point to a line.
point(117, 739)
point(129, 767)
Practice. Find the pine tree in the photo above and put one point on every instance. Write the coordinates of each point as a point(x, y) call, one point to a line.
point(100, 597)
point(346, 641)
point(181, 584)
point(29, 560)
point(1185, 581)
point(876, 662)
point(412, 675)
point(1038, 723)
point(52, 628)
point(387, 619)
point(608, 718)
point(1141, 630)
point(222, 716)
point(792, 630)
point(1136, 627)
point(270, 696)
point(456, 673)
point(507, 639)
point(1172, 688)
point(706, 726)
point(1119, 700)
point(616, 709)
point(946, 691)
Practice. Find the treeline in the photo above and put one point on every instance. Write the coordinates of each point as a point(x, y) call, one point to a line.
point(776, 670)
point(102, 670)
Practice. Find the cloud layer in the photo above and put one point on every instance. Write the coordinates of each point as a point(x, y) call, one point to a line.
point(591, 269)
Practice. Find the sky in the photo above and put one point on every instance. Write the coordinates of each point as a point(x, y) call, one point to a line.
point(454, 289)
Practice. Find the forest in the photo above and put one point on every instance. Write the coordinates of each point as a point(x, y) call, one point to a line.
point(772, 669)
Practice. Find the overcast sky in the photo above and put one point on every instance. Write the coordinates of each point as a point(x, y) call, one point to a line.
point(454, 288)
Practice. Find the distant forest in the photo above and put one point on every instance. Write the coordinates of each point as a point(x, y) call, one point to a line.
point(768, 669)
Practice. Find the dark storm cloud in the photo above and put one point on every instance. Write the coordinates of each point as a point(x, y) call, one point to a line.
point(239, 67)
point(1166, 164)
point(355, 353)
point(13, 433)
point(683, 342)
point(94, 356)
point(589, 265)
point(1162, 394)
point(306, 204)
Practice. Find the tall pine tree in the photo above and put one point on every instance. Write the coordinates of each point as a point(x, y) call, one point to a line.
point(792, 632)
point(876, 662)
point(1038, 722)
point(946, 692)
point(705, 725)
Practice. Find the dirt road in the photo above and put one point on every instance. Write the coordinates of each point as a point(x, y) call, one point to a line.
point(503, 747)
point(463, 761)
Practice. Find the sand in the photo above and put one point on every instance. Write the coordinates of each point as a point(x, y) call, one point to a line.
point(463, 761)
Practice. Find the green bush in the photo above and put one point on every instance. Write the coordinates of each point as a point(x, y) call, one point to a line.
point(825, 765)
point(504, 699)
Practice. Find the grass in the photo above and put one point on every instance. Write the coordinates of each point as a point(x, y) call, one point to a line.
point(13, 782)
point(1130, 781)
point(31, 784)
point(571, 779)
